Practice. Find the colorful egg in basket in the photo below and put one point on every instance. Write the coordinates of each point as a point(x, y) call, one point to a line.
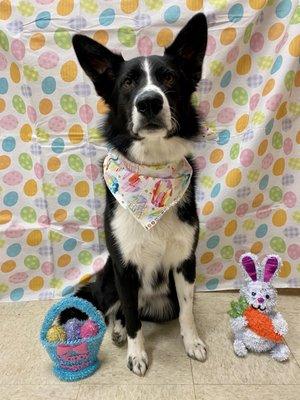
point(78, 358)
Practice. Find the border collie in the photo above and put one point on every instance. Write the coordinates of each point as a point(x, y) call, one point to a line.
point(149, 274)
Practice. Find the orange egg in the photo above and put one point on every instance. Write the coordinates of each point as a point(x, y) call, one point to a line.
point(4, 161)
point(64, 260)
point(208, 208)
point(37, 41)
point(85, 279)
point(275, 31)
point(206, 257)
point(102, 107)
point(256, 247)
point(216, 156)
point(68, 71)
point(278, 167)
point(227, 36)
point(34, 238)
point(233, 177)
point(8, 266)
point(230, 272)
point(5, 217)
point(15, 73)
point(65, 7)
point(285, 270)
point(294, 47)
point(242, 123)
point(26, 133)
point(2, 105)
point(268, 87)
point(297, 79)
point(218, 99)
point(262, 147)
point(282, 110)
point(101, 36)
point(82, 189)
point(60, 215)
point(230, 228)
point(257, 201)
point(164, 37)
point(279, 218)
point(5, 9)
point(257, 4)
point(53, 164)
point(45, 106)
point(75, 134)
point(129, 6)
point(243, 65)
point(36, 283)
point(194, 5)
point(87, 235)
point(30, 187)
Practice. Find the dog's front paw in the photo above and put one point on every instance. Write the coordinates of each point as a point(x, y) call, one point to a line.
point(138, 363)
point(195, 349)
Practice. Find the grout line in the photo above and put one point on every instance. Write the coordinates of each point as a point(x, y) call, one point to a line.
point(79, 386)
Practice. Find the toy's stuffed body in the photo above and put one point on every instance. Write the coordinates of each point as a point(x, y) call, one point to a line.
point(255, 324)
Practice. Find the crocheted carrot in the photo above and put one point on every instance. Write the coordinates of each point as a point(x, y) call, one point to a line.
point(261, 324)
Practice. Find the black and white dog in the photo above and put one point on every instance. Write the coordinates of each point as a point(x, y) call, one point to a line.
point(150, 274)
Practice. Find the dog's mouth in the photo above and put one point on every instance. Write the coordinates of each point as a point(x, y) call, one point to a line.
point(259, 307)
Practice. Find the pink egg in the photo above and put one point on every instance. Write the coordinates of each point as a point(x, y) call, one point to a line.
point(18, 277)
point(215, 223)
point(246, 157)
point(9, 122)
point(72, 273)
point(226, 115)
point(145, 46)
point(204, 108)
point(18, 49)
point(63, 179)
point(294, 251)
point(14, 231)
point(70, 227)
point(232, 55)
point(287, 146)
point(48, 59)
point(98, 264)
point(92, 171)
point(257, 42)
point(13, 178)
point(289, 199)
point(267, 161)
point(214, 268)
point(263, 212)
point(3, 62)
point(31, 114)
point(242, 209)
point(211, 45)
point(57, 124)
point(44, 221)
point(39, 170)
point(96, 221)
point(86, 113)
point(273, 102)
point(89, 329)
point(281, 43)
point(47, 268)
point(200, 163)
point(254, 101)
point(221, 170)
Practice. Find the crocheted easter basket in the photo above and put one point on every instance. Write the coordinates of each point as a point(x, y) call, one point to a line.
point(77, 359)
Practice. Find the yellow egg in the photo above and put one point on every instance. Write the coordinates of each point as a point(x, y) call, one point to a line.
point(85, 278)
point(5, 217)
point(194, 5)
point(64, 260)
point(102, 107)
point(262, 147)
point(275, 31)
point(257, 4)
point(242, 123)
point(60, 215)
point(82, 189)
point(216, 156)
point(230, 228)
point(15, 73)
point(297, 79)
point(36, 283)
point(87, 235)
point(206, 257)
point(45, 106)
point(34, 238)
point(256, 247)
point(75, 134)
point(279, 218)
point(208, 208)
point(8, 266)
point(164, 37)
point(233, 177)
point(218, 99)
point(2, 105)
point(101, 36)
point(5, 9)
point(285, 270)
point(65, 7)
point(227, 36)
point(268, 87)
point(4, 162)
point(282, 110)
point(257, 201)
point(129, 6)
point(230, 272)
point(278, 167)
point(243, 65)
point(68, 71)
point(53, 163)
point(294, 47)
point(37, 41)
point(56, 334)
point(30, 187)
point(26, 133)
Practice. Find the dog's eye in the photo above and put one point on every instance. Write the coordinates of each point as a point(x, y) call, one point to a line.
point(168, 79)
point(128, 83)
point(253, 294)
point(267, 296)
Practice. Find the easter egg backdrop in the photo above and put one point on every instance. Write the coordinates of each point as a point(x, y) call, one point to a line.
point(51, 191)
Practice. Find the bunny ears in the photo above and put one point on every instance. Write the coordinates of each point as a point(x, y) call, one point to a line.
point(265, 271)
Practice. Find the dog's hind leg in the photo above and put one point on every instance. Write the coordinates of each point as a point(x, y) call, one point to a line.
point(119, 333)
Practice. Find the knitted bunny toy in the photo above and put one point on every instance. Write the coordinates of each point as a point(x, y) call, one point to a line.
point(255, 324)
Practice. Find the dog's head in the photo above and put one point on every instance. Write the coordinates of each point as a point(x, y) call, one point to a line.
point(149, 97)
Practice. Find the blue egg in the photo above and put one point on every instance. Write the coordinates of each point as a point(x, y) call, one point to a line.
point(68, 290)
point(226, 79)
point(235, 13)
point(283, 8)
point(224, 137)
point(70, 244)
point(14, 250)
point(261, 231)
point(48, 85)
point(264, 182)
point(216, 190)
point(9, 144)
point(269, 126)
point(17, 294)
point(277, 64)
point(172, 14)
point(3, 85)
point(213, 242)
point(10, 199)
point(212, 284)
point(64, 199)
point(107, 17)
point(58, 145)
point(43, 19)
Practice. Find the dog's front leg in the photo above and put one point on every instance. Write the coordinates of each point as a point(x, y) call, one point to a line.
point(184, 277)
point(127, 283)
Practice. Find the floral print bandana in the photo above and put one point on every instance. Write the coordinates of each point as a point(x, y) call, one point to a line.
point(146, 191)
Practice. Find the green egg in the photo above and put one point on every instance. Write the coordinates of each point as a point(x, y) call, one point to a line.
point(277, 140)
point(154, 5)
point(265, 62)
point(85, 257)
point(82, 214)
point(275, 193)
point(28, 214)
point(99, 189)
point(42, 135)
point(89, 6)
point(235, 151)
point(296, 216)
point(54, 236)
point(62, 38)
point(25, 161)
point(4, 41)
point(240, 96)
point(18, 104)
point(228, 205)
point(206, 181)
point(216, 67)
point(278, 244)
point(48, 189)
point(25, 8)
point(247, 33)
point(32, 262)
point(126, 36)
point(30, 73)
point(68, 104)
point(56, 283)
point(227, 252)
point(289, 80)
point(296, 17)
point(75, 163)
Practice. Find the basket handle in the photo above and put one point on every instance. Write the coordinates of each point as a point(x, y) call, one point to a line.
point(68, 302)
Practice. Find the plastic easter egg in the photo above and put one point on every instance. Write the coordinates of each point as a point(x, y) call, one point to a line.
point(240, 96)
point(18, 49)
point(126, 36)
point(68, 104)
point(28, 214)
point(257, 42)
point(226, 115)
point(4, 41)
point(43, 19)
point(18, 104)
point(85, 257)
point(48, 85)
point(278, 244)
point(10, 199)
point(228, 205)
point(13, 178)
point(48, 60)
point(107, 17)
point(81, 214)
point(172, 14)
point(25, 161)
point(75, 163)
point(63, 179)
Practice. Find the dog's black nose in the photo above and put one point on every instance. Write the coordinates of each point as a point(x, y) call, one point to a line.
point(149, 103)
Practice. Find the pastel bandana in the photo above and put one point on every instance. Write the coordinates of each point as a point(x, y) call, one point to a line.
point(146, 191)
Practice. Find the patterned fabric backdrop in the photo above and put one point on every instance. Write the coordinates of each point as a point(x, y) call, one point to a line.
point(51, 195)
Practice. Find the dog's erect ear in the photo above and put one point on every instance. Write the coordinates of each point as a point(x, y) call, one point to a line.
point(248, 262)
point(190, 45)
point(271, 265)
point(99, 63)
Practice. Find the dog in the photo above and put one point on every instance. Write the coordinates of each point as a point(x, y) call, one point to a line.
point(150, 273)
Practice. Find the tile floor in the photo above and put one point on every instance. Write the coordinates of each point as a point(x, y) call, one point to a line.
point(25, 369)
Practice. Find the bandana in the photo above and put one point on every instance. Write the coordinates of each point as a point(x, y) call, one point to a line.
point(146, 191)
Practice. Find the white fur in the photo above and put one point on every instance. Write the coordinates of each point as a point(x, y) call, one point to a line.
point(137, 359)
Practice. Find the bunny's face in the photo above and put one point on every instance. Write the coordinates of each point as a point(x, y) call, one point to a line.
point(260, 295)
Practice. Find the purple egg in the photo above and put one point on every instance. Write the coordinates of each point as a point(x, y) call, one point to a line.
point(72, 328)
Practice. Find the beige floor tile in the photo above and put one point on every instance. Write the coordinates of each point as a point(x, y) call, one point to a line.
point(293, 337)
point(223, 367)
point(137, 392)
point(67, 391)
point(26, 308)
point(247, 392)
